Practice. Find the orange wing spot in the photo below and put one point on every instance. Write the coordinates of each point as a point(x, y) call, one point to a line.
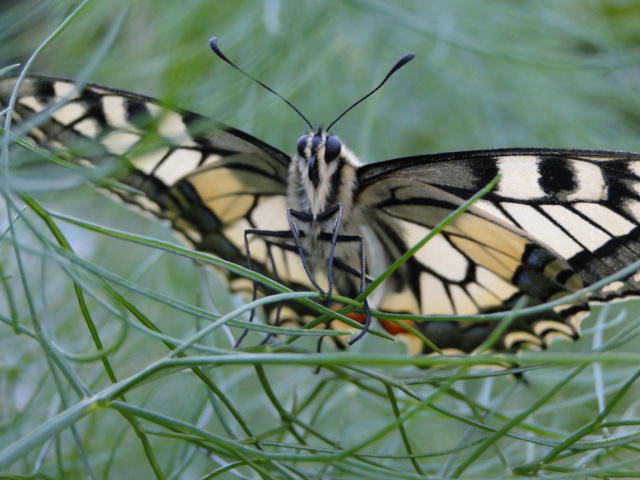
point(413, 343)
point(391, 327)
point(358, 317)
point(394, 328)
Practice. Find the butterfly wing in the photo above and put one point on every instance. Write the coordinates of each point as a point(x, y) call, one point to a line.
point(211, 181)
point(214, 182)
point(584, 204)
point(557, 221)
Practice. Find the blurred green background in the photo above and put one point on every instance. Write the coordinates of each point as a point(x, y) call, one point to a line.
point(487, 74)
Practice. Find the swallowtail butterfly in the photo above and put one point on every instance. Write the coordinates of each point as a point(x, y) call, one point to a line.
point(557, 221)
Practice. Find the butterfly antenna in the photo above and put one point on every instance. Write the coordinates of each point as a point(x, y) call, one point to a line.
point(401, 63)
point(213, 43)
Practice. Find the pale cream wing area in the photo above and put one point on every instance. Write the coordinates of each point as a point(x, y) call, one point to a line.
point(477, 264)
point(557, 221)
point(211, 181)
point(583, 204)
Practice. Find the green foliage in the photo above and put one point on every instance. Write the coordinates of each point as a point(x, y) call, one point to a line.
point(116, 356)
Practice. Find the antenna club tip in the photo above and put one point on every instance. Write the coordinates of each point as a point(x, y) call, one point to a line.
point(213, 43)
point(408, 57)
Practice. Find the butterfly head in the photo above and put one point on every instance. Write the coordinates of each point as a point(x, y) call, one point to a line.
point(322, 174)
point(318, 150)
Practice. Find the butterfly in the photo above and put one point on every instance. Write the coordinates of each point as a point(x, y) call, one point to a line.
point(556, 222)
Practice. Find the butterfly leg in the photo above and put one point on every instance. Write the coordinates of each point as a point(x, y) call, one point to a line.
point(361, 274)
point(254, 296)
point(323, 216)
point(334, 238)
point(296, 234)
point(295, 231)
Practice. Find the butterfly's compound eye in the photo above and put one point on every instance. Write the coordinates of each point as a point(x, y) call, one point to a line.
point(332, 148)
point(302, 144)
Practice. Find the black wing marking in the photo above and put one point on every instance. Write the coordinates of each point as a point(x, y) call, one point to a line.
point(558, 220)
point(211, 181)
point(477, 264)
point(580, 209)
point(584, 204)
